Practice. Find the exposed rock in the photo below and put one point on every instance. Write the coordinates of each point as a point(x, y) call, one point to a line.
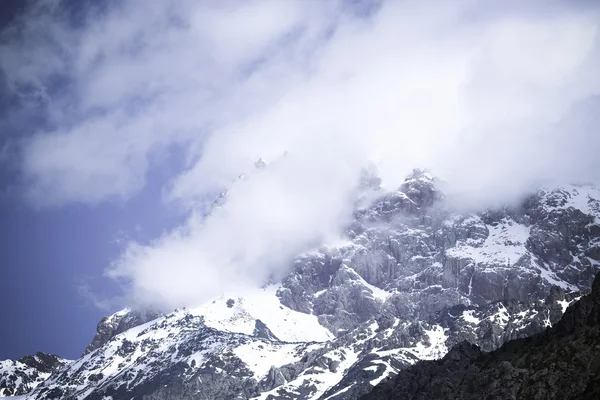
point(262, 331)
point(21, 376)
point(424, 257)
point(413, 279)
point(112, 325)
point(561, 363)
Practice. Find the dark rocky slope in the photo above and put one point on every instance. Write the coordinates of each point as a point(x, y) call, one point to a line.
point(561, 363)
point(20, 376)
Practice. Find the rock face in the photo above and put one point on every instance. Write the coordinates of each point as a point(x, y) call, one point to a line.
point(110, 326)
point(21, 376)
point(183, 355)
point(421, 256)
point(561, 363)
point(413, 279)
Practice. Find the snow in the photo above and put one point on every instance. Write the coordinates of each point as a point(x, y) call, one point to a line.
point(301, 333)
point(547, 322)
point(436, 349)
point(471, 285)
point(326, 379)
point(552, 279)
point(389, 371)
point(260, 358)
point(505, 244)
point(338, 392)
point(564, 305)
point(522, 314)
point(198, 358)
point(108, 360)
point(323, 380)
point(501, 316)
point(406, 355)
point(392, 352)
point(263, 304)
point(133, 333)
point(377, 293)
point(331, 379)
point(18, 369)
point(585, 198)
point(372, 328)
point(390, 330)
point(470, 318)
point(120, 313)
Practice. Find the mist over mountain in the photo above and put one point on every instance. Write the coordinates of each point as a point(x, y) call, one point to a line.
point(476, 93)
point(356, 185)
point(412, 279)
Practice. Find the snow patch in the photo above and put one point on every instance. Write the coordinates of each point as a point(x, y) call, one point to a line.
point(338, 392)
point(552, 279)
point(377, 293)
point(470, 318)
point(585, 198)
point(260, 358)
point(505, 244)
point(263, 304)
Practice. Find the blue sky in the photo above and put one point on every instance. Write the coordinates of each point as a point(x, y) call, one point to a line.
point(53, 259)
point(121, 124)
point(53, 262)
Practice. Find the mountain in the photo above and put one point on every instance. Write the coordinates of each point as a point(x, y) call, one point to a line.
point(19, 377)
point(413, 278)
point(217, 351)
point(563, 362)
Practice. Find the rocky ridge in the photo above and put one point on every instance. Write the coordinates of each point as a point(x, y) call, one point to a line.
point(425, 257)
point(563, 362)
point(182, 355)
point(19, 377)
point(413, 279)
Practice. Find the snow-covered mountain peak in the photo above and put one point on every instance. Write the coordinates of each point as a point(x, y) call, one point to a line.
point(412, 278)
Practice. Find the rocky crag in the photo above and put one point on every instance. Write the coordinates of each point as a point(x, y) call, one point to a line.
point(19, 377)
point(413, 278)
point(563, 362)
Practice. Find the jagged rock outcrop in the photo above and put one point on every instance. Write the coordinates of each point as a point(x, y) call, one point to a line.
point(18, 377)
point(563, 362)
point(112, 325)
point(425, 257)
point(413, 279)
point(183, 355)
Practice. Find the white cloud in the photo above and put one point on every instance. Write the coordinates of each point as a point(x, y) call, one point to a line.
point(487, 97)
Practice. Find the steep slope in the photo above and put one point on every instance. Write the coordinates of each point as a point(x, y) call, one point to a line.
point(413, 279)
point(561, 363)
point(23, 375)
point(408, 254)
point(182, 355)
point(387, 345)
point(119, 322)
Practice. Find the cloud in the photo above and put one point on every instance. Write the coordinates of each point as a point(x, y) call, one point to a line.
point(130, 82)
point(493, 99)
point(90, 297)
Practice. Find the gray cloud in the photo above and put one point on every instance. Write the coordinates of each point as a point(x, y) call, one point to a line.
point(493, 99)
